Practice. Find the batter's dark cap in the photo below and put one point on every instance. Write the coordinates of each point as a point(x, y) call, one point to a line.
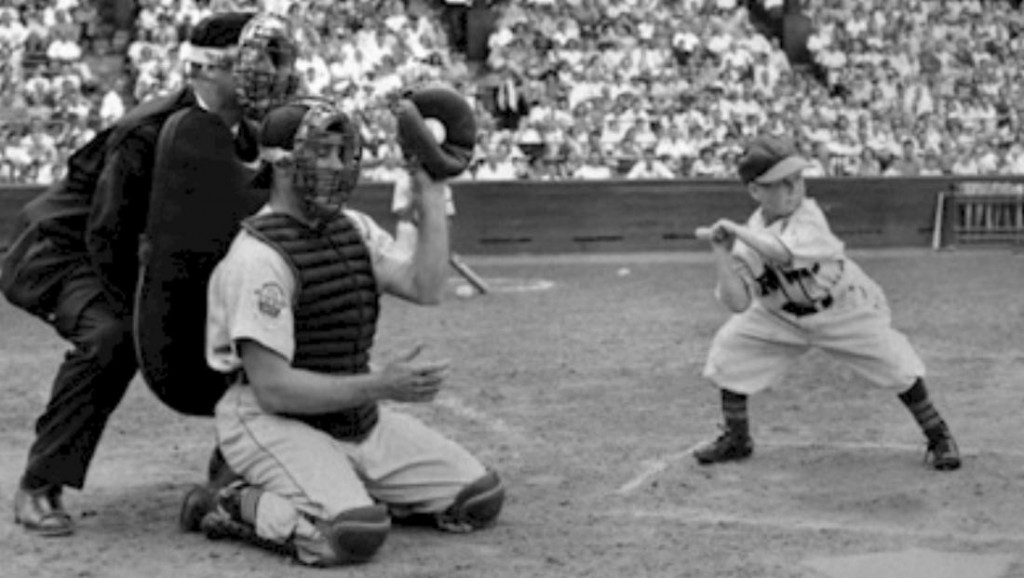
point(768, 159)
point(220, 30)
point(281, 124)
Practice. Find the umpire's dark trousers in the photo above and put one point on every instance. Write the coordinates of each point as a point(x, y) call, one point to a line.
point(90, 383)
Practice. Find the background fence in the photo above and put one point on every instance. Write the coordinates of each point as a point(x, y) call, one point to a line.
point(526, 217)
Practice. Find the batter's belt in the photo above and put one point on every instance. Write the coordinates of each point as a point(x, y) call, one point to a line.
point(803, 310)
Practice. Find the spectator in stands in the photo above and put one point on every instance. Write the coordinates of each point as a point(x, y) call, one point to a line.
point(867, 163)
point(112, 106)
point(649, 166)
point(964, 163)
point(569, 62)
point(707, 165)
point(16, 154)
point(673, 145)
point(497, 165)
point(13, 33)
point(908, 164)
point(594, 167)
point(930, 164)
point(818, 163)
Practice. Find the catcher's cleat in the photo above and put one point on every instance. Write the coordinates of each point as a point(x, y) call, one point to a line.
point(727, 447)
point(223, 521)
point(199, 501)
point(942, 451)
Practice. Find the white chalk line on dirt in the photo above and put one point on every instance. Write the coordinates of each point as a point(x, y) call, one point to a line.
point(650, 468)
point(695, 516)
point(469, 413)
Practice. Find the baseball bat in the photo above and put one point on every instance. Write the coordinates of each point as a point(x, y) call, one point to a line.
point(469, 274)
point(703, 233)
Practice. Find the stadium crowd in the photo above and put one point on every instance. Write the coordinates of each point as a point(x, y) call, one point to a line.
point(580, 89)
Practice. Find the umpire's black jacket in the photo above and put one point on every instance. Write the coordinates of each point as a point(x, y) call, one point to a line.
point(89, 223)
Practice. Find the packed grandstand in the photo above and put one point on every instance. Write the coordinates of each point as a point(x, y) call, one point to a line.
point(573, 89)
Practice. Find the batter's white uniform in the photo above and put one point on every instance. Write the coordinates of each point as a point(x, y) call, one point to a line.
point(306, 474)
point(822, 299)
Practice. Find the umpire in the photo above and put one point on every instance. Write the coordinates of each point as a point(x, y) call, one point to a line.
point(74, 264)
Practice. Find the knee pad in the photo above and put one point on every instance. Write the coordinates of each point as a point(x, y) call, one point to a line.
point(476, 506)
point(355, 535)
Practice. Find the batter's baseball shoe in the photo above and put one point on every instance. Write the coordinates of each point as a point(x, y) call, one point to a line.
point(728, 447)
point(942, 451)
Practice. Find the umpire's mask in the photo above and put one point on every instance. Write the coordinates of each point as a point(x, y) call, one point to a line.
point(265, 70)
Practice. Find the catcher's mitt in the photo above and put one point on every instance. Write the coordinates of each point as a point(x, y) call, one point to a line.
point(436, 128)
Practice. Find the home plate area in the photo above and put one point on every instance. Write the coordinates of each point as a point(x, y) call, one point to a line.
point(908, 520)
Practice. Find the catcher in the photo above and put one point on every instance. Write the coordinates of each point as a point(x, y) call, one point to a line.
point(791, 287)
point(324, 465)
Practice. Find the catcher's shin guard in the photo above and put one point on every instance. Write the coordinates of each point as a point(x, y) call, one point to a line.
point(476, 506)
point(355, 535)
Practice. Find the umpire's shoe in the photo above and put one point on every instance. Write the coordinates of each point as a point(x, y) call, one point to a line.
point(942, 451)
point(42, 512)
point(730, 446)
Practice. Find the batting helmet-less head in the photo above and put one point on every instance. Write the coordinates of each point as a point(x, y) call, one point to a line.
point(265, 69)
point(321, 145)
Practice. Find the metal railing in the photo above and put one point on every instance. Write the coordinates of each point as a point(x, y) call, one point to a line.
point(985, 214)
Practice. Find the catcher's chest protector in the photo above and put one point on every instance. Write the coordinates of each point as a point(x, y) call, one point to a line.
point(335, 307)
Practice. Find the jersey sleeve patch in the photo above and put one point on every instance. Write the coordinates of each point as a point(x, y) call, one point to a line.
point(271, 300)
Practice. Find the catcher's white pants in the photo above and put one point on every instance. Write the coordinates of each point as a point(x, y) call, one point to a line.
point(306, 474)
point(754, 349)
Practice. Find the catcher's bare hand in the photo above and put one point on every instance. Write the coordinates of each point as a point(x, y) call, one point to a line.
point(410, 380)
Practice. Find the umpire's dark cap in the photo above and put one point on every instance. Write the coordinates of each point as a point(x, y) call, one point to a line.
point(768, 159)
point(221, 30)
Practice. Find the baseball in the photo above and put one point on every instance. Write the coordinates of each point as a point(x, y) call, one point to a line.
point(703, 233)
point(464, 291)
point(437, 129)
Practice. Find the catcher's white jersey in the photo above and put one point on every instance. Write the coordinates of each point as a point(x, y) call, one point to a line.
point(307, 475)
point(821, 299)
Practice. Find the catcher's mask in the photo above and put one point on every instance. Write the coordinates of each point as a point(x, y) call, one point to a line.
point(265, 69)
point(321, 145)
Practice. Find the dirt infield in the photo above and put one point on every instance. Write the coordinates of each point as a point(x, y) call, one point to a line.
point(579, 381)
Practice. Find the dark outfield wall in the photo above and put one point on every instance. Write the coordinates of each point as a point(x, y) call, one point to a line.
point(623, 216)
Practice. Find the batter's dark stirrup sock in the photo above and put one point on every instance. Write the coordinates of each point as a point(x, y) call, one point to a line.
point(734, 409)
point(927, 416)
